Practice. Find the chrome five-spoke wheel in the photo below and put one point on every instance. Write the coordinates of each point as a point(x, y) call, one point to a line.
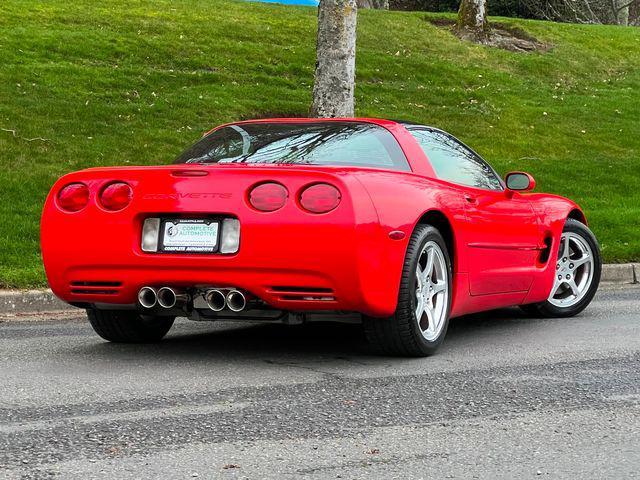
point(431, 291)
point(574, 271)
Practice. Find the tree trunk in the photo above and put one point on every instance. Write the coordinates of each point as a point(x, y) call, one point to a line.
point(377, 4)
point(622, 12)
point(336, 59)
point(472, 17)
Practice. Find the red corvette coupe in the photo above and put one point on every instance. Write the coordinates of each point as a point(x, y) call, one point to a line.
point(398, 224)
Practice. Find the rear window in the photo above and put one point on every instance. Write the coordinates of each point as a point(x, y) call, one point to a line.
point(322, 143)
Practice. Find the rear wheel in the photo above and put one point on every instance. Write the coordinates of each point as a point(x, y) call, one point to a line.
point(127, 326)
point(577, 273)
point(420, 321)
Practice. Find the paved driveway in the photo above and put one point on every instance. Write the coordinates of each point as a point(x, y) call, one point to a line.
point(507, 397)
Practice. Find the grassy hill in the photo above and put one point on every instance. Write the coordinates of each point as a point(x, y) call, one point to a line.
point(89, 83)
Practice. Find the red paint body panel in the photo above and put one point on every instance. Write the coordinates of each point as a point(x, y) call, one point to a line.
point(505, 244)
point(94, 255)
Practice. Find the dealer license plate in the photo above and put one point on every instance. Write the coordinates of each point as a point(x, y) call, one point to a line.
point(189, 235)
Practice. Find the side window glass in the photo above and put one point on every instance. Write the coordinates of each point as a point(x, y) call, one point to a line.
point(454, 162)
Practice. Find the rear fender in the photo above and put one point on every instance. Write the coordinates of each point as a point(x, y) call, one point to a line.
point(400, 202)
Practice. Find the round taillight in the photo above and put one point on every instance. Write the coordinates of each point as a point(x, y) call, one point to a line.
point(320, 198)
point(116, 196)
point(74, 197)
point(268, 197)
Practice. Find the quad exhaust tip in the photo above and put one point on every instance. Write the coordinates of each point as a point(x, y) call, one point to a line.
point(171, 298)
point(236, 301)
point(216, 300)
point(148, 297)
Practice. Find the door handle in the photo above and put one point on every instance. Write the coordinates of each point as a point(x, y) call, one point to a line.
point(470, 199)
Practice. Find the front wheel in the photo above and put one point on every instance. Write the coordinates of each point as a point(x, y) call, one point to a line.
point(577, 273)
point(127, 326)
point(420, 321)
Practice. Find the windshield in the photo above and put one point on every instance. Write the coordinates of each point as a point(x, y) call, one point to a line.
point(321, 143)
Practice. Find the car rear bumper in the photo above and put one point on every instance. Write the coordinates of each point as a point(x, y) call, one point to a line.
point(323, 284)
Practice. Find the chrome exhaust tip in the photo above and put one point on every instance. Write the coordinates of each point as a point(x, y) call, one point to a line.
point(171, 298)
point(236, 301)
point(215, 299)
point(147, 297)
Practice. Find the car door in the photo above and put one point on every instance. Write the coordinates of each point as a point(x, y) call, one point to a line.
point(502, 232)
point(502, 242)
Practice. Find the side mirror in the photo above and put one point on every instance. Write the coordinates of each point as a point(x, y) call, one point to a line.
point(520, 181)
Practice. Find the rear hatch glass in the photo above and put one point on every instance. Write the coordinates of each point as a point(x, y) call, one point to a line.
point(311, 143)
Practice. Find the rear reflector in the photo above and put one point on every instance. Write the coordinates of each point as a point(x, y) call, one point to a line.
point(116, 196)
point(320, 198)
point(74, 197)
point(268, 197)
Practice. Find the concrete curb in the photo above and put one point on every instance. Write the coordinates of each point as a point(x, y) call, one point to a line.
point(36, 301)
point(620, 273)
point(31, 301)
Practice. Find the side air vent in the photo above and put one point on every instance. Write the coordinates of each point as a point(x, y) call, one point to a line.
point(546, 251)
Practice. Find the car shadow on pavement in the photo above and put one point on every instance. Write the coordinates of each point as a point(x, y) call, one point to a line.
point(311, 341)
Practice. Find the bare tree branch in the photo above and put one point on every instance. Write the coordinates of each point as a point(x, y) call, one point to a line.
point(582, 11)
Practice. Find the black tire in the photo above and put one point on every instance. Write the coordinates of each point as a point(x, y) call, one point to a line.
point(547, 309)
point(127, 326)
point(400, 334)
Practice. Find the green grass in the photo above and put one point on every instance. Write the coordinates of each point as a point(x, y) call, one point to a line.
point(133, 82)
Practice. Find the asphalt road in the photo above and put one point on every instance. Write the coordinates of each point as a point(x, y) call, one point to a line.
point(507, 397)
